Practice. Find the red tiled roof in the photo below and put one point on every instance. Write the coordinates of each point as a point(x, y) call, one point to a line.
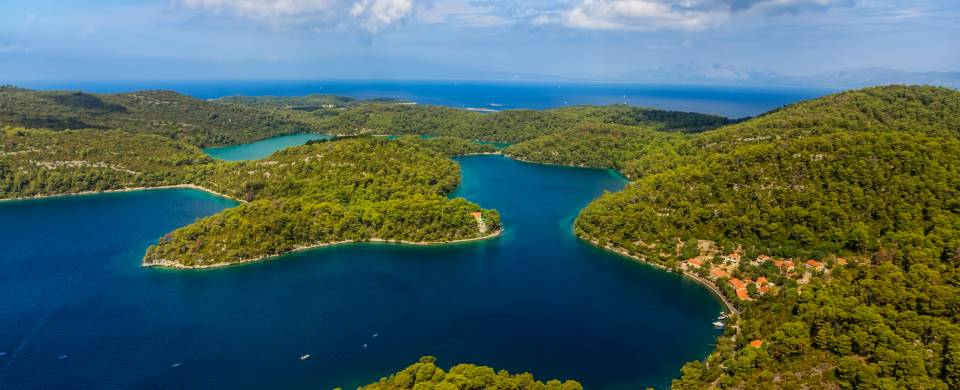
point(742, 294)
point(737, 283)
point(476, 214)
point(814, 263)
point(783, 264)
point(695, 262)
point(717, 272)
point(756, 343)
point(762, 280)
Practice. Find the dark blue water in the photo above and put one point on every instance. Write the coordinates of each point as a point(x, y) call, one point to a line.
point(535, 299)
point(728, 101)
point(262, 149)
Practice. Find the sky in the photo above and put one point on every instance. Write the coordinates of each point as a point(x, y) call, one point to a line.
point(417, 39)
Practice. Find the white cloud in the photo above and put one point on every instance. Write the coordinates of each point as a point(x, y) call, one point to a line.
point(674, 15)
point(641, 15)
point(370, 15)
point(375, 15)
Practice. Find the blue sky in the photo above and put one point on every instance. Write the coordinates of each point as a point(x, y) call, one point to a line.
point(196, 39)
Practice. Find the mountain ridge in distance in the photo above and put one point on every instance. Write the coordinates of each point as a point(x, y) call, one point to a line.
point(737, 75)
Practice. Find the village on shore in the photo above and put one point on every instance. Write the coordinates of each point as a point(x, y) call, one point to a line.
point(749, 278)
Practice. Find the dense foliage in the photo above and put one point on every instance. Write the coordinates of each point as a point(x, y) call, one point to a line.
point(300, 103)
point(425, 375)
point(240, 119)
point(357, 189)
point(170, 114)
point(44, 162)
point(594, 145)
point(872, 174)
point(505, 126)
point(450, 146)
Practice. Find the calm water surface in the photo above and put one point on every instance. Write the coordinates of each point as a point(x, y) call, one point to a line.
point(261, 149)
point(78, 311)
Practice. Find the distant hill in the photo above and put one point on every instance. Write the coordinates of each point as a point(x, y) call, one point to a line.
point(722, 74)
point(166, 113)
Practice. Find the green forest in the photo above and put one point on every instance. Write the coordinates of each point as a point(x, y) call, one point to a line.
point(355, 189)
point(425, 375)
point(505, 126)
point(593, 145)
point(240, 119)
point(45, 162)
point(164, 113)
point(873, 175)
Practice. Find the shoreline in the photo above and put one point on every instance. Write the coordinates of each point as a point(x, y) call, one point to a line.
point(126, 189)
point(697, 278)
point(478, 154)
point(175, 265)
point(515, 158)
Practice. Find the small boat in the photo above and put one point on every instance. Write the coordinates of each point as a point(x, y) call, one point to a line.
point(175, 365)
point(375, 335)
point(305, 357)
point(364, 345)
point(3, 353)
point(61, 357)
point(718, 324)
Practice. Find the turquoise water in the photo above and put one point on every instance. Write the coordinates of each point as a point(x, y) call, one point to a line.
point(498, 145)
point(535, 299)
point(261, 149)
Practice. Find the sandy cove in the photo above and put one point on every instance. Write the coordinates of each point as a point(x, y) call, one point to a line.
point(173, 264)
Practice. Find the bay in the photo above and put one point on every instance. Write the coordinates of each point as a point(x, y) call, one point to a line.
point(535, 299)
point(263, 148)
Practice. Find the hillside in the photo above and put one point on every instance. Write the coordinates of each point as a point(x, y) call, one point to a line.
point(929, 110)
point(165, 113)
point(44, 162)
point(347, 116)
point(592, 145)
point(504, 126)
point(865, 183)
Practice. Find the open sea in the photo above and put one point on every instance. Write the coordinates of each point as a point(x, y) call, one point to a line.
point(734, 102)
